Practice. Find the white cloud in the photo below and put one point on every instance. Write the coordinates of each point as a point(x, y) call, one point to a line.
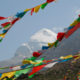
point(58, 29)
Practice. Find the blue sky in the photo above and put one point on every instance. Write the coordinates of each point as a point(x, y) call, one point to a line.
point(55, 16)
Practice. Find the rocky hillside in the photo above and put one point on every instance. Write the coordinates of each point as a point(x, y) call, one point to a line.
point(67, 46)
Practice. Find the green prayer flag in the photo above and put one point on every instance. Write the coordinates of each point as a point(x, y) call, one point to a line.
point(78, 19)
point(7, 26)
point(43, 5)
point(1, 40)
point(41, 62)
point(31, 76)
point(56, 43)
point(18, 73)
point(38, 64)
point(32, 58)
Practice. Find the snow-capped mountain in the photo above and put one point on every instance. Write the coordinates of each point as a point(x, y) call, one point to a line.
point(44, 36)
point(41, 38)
point(35, 43)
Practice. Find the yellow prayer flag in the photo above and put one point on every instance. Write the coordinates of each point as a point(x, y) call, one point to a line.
point(51, 44)
point(74, 23)
point(66, 57)
point(69, 56)
point(9, 74)
point(30, 62)
point(77, 58)
point(36, 9)
point(26, 10)
point(2, 35)
point(62, 57)
point(35, 62)
point(26, 61)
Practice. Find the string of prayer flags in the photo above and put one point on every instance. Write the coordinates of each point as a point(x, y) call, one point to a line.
point(74, 23)
point(6, 26)
point(38, 62)
point(72, 30)
point(13, 19)
point(73, 27)
point(35, 68)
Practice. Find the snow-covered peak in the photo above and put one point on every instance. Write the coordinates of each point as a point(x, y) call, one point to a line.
point(39, 39)
point(44, 35)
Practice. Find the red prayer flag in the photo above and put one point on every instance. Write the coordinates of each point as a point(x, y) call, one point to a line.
point(47, 61)
point(11, 67)
point(75, 56)
point(14, 20)
point(60, 36)
point(36, 69)
point(5, 24)
point(2, 18)
point(32, 11)
point(36, 54)
point(49, 1)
